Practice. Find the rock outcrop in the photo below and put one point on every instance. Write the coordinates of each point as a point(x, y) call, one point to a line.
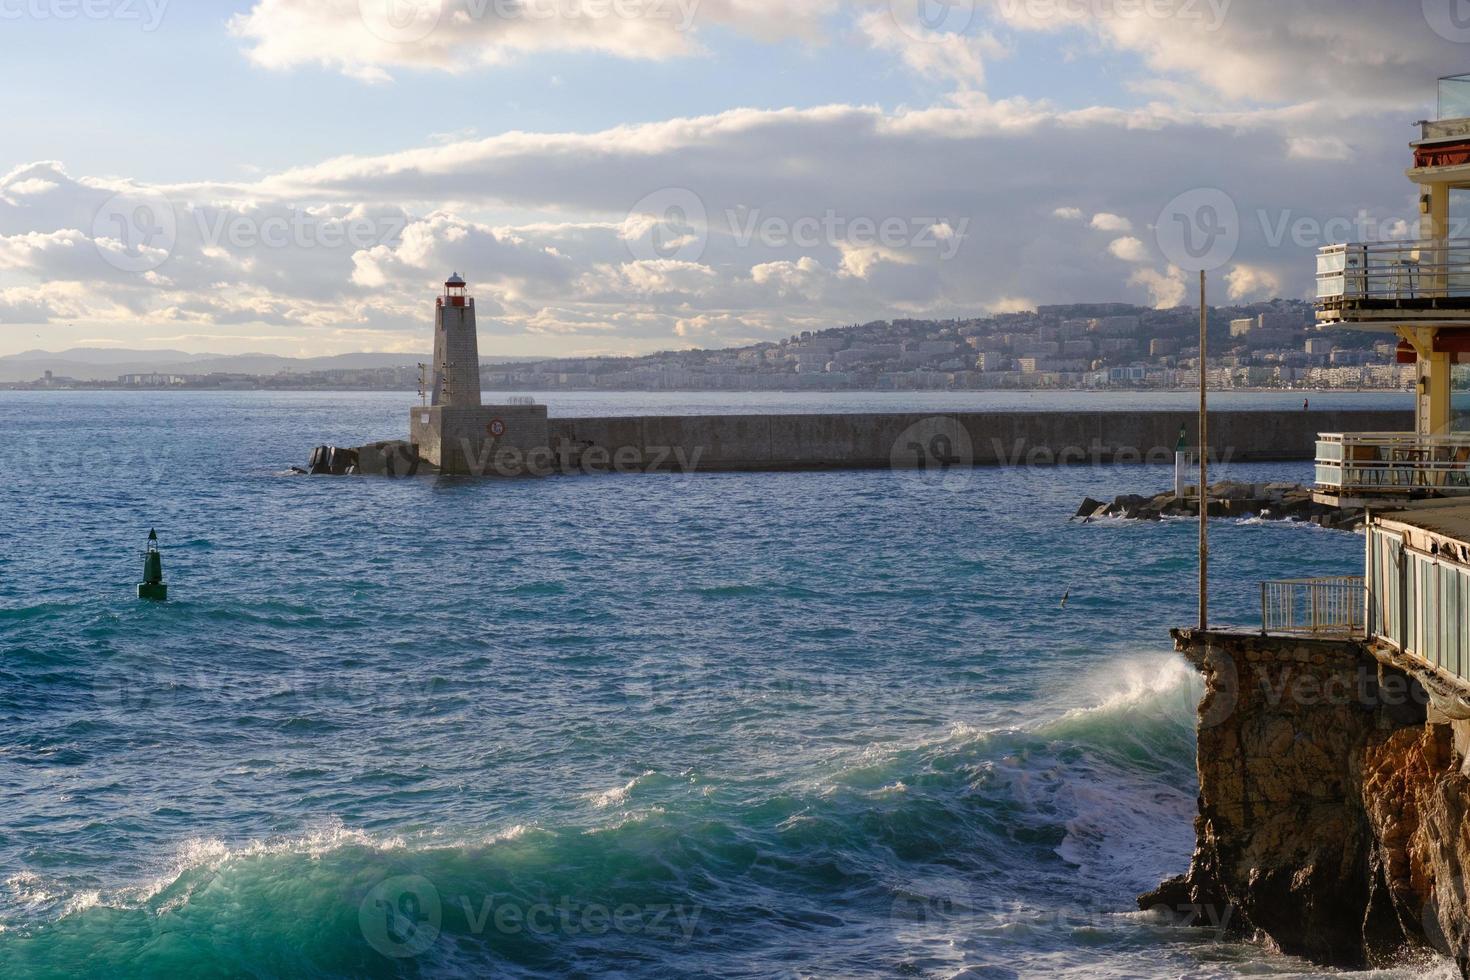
point(390, 458)
point(1268, 501)
point(1332, 808)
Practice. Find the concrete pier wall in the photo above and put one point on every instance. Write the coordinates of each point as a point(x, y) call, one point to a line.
point(851, 441)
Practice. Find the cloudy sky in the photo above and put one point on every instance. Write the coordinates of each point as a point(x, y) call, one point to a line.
point(298, 176)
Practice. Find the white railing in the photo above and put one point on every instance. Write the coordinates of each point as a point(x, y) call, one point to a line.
point(1394, 271)
point(1393, 462)
point(1323, 606)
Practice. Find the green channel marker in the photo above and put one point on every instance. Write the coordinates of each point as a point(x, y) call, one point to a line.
point(152, 586)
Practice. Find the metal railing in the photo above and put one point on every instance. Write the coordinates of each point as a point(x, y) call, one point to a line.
point(1425, 269)
point(1393, 461)
point(1321, 606)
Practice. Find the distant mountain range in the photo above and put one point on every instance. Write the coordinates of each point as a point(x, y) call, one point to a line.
point(105, 364)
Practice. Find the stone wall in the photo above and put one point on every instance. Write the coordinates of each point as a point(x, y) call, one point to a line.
point(457, 440)
point(850, 441)
point(1332, 803)
point(488, 440)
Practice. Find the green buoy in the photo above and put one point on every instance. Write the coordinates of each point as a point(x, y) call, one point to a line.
point(152, 586)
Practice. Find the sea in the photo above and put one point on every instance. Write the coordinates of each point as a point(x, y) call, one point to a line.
point(841, 724)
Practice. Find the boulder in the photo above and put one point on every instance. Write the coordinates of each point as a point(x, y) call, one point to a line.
point(332, 461)
point(391, 458)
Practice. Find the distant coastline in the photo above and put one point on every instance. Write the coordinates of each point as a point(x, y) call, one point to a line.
point(1272, 346)
point(814, 392)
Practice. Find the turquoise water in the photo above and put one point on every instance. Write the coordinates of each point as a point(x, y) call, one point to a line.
point(740, 725)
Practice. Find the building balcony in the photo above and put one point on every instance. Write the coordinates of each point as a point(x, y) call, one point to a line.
point(1426, 281)
point(1452, 121)
point(1393, 464)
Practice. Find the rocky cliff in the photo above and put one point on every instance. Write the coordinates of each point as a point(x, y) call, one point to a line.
point(1332, 809)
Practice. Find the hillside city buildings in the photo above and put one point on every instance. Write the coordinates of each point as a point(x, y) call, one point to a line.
point(1078, 346)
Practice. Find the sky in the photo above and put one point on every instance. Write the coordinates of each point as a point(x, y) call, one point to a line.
point(621, 176)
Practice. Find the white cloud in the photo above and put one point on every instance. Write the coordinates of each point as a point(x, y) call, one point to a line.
point(958, 59)
point(1354, 57)
point(1166, 289)
point(544, 224)
point(1317, 148)
point(1010, 304)
point(1129, 249)
point(1111, 222)
point(367, 40)
point(1247, 283)
point(35, 185)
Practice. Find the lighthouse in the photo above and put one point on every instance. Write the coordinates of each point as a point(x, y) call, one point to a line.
point(456, 347)
point(455, 432)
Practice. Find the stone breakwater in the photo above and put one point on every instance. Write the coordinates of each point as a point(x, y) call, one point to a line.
point(1333, 802)
point(1267, 501)
point(510, 442)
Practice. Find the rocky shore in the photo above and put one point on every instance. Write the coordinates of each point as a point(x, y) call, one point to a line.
point(389, 458)
point(1267, 501)
point(1333, 804)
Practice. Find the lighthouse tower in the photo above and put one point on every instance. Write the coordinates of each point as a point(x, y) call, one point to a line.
point(455, 432)
point(456, 347)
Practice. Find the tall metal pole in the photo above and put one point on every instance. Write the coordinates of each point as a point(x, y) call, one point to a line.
point(1204, 464)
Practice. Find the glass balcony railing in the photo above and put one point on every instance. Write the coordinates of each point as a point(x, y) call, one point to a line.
point(1454, 97)
point(1395, 271)
point(1393, 462)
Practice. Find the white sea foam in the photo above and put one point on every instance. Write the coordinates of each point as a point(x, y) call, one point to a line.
point(81, 901)
point(199, 857)
point(618, 795)
point(516, 832)
point(29, 890)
